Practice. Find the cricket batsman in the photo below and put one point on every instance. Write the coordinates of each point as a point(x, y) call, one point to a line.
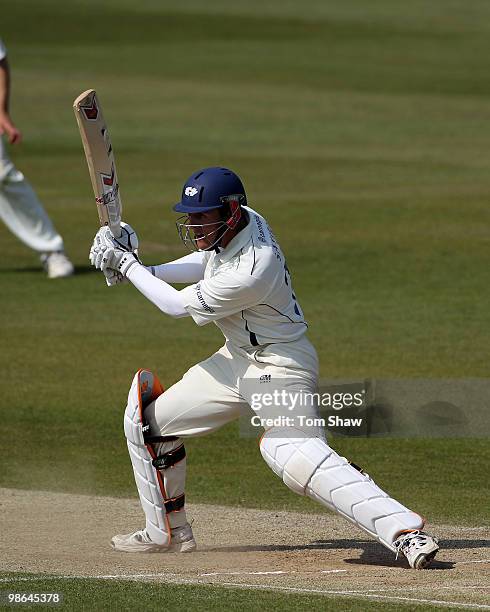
point(236, 277)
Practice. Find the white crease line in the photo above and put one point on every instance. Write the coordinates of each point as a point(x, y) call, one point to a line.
point(264, 587)
point(480, 588)
point(22, 579)
point(480, 561)
point(108, 576)
point(75, 576)
point(455, 587)
point(332, 571)
point(244, 573)
point(355, 594)
point(417, 588)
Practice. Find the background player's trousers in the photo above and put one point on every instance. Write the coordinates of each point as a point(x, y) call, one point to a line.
point(21, 210)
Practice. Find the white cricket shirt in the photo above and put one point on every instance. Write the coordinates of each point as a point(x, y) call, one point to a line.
point(246, 290)
point(3, 50)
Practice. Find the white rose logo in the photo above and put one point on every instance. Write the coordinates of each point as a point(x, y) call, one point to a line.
point(190, 191)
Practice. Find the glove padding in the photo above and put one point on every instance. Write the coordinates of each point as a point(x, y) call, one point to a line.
point(118, 260)
point(114, 256)
point(114, 278)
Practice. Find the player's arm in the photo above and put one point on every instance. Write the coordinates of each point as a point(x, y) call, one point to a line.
point(164, 296)
point(208, 300)
point(223, 295)
point(187, 269)
point(6, 124)
point(118, 255)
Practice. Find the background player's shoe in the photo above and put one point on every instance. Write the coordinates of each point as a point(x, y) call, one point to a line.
point(182, 541)
point(418, 547)
point(57, 264)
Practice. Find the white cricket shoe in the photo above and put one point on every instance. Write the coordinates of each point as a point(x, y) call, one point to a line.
point(139, 541)
point(57, 264)
point(418, 547)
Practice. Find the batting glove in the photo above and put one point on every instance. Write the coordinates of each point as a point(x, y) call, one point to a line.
point(118, 260)
point(113, 278)
point(127, 241)
point(96, 251)
point(107, 252)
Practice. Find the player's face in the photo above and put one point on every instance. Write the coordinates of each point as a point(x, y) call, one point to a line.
point(208, 223)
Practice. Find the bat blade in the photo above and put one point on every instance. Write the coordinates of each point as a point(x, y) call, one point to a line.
point(100, 159)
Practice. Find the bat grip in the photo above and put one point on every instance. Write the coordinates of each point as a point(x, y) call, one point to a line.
point(115, 230)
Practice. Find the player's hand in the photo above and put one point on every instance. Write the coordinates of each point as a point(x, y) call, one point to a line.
point(7, 127)
point(97, 250)
point(118, 260)
point(119, 254)
point(127, 241)
point(113, 261)
point(107, 252)
point(113, 278)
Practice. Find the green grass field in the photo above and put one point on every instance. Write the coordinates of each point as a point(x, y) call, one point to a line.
point(80, 594)
point(361, 131)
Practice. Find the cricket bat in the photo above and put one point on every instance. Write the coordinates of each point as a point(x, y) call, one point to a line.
point(100, 159)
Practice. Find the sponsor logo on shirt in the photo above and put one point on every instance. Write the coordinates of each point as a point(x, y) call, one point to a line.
point(260, 228)
point(275, 246)
point(202, 300)
point(265, 378)
point(261, 235)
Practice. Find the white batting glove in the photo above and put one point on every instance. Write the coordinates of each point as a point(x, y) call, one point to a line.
point(120, 253)
point(113, 278)
point(127, 241)
point(118, 260)
point(107, 253)
point(96, 250)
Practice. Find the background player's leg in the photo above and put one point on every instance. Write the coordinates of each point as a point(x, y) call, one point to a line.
point(24, 215)
point(26, 218)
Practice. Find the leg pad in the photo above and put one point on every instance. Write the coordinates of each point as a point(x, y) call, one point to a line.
point(310, 467)
point(149, 481)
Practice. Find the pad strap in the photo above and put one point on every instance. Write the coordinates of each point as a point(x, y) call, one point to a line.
point(148, 439)
point(168, 460)
point(175, 504)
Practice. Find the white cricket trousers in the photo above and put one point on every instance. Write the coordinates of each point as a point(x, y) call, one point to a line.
point(211, 393)
point(21, 210)
point(214, 392)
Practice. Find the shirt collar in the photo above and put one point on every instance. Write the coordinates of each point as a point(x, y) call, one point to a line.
point(237, 242)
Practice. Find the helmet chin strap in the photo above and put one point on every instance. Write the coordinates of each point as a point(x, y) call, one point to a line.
point(230, 224)
point(236, 212)
point(217, 243)
point(184, 229)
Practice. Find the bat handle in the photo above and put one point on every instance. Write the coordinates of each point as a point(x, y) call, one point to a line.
point(115, 230)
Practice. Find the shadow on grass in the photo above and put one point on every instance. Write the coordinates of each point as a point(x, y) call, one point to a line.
point(79, 270)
